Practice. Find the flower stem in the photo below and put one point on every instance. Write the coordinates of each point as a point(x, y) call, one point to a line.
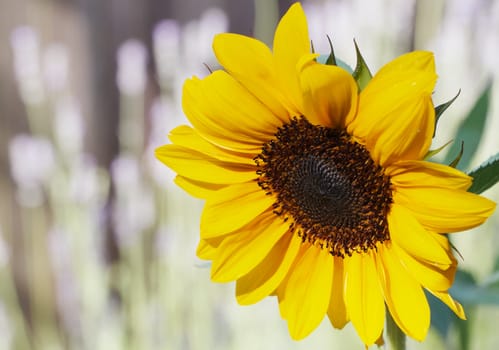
point(396, 338)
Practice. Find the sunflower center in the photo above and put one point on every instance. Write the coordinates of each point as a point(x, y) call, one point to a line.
point(327, 186)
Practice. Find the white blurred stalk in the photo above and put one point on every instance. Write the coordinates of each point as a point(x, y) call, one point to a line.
point(69, 128)
point(56, 64)
point(32, 163)
point(131, 80)
point(77, 197)
point(166, 49)
point(25, 44)
point(133, 218)
point(45, 331)
point(13, 328)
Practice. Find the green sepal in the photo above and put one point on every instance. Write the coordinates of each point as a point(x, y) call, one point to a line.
point(361, 74)
point(434, 152)
point(331, 60)
point(486, 175)
point(340, 63)
point(456, 160)
point(440, 109)
point(454, 248)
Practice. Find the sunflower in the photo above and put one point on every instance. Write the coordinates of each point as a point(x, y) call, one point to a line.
point(317, 193)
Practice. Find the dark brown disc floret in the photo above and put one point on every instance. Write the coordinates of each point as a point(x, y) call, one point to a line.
point(327, 186)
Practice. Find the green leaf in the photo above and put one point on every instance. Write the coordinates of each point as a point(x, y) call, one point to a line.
point(471, 129)
point(442, 318)
point(331, 60)
point(440, 109)
point(467, 291)
point(361, 74)
point(492, 282)
point(486, 175)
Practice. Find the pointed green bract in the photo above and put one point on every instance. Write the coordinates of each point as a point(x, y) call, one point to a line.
point(471, 129)
point(331, 60)
point(486, 175)
point(440, 109)
point(361, 74)
point(456, 160)
point(434, 152)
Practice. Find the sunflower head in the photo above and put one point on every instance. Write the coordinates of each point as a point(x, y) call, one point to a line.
point(327, 185)
point(317, 191)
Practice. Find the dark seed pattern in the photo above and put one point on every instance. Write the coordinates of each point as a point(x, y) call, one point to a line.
point(327, 187)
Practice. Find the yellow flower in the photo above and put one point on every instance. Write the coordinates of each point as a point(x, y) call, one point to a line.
point(319, 194)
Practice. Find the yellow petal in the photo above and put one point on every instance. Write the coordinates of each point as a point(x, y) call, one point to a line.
point(329, 94)
point(291, 42)
point(252, 64)
point(363, 297)
point(404, 296)
point(207, 249)
point(280, 291)
point(430, 276)
point(197, 189)
point(416, 61)
point(200, 167)
point(269, 273)
point(445, 210)
point(408, 234)
point(233, 207)
point(443, 240)
point(308, 291)
point(396, 117)
point(187, 137)
point(227, 114)
point(451, 303)
point(337, 311)
point(241, 251)
point(414, 173)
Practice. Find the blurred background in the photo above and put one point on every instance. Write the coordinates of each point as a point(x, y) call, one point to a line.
point(97, 245)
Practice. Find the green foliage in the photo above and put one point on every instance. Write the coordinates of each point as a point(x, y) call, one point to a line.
point(471, 129)
point(486, 175)
point(465, 287)
point(442, 318)
point(469, 292)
